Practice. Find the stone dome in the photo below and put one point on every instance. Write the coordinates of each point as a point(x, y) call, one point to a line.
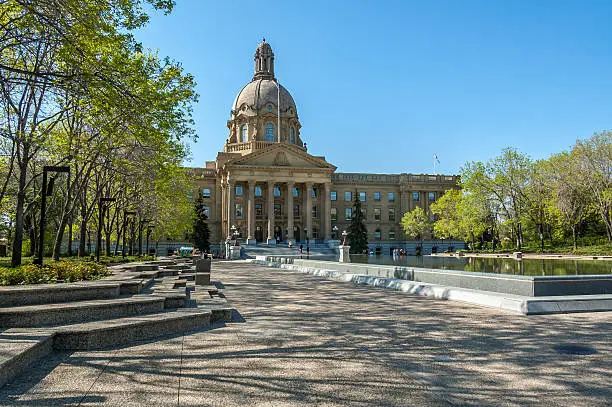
point(263, 92)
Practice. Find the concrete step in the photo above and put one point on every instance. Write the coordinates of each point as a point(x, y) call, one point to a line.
point(79, 311)
point(54, 293)
point(123, 331)
point(20, 349)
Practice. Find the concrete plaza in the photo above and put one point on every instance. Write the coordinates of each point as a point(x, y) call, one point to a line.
point(301, 340)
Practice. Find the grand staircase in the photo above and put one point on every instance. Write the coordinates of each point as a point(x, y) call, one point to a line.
point(139, 302)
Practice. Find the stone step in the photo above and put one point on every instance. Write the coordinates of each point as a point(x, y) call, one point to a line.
point(123, 331)
point(54, 293)
point(79, 311)
point(20, 349)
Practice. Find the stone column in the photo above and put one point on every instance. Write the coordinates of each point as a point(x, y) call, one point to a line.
point(251, 214)
point(308, 210)
point(271, 239)
point(224, 206)
point(327, 212)
point(230, 208)
point(290, 186)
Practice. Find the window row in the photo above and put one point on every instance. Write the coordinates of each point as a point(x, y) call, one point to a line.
point(348, 195)
point(348, 214)
point(244, 133)
point(277, 191)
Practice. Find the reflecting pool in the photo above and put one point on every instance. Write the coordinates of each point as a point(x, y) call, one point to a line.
point(525, 267)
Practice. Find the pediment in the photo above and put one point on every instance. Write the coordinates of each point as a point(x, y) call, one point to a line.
point(281, 156)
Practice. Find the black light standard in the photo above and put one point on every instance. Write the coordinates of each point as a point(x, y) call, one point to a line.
point(149, 229)
point(47, 190)
point(125, 215)
point(101, 208)
point(335, 232)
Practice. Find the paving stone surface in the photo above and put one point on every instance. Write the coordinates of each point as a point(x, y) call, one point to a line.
point(303, 341)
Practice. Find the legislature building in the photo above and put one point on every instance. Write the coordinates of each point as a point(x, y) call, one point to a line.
point(265, 186)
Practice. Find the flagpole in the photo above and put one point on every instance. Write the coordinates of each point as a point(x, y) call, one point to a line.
point(278, 105)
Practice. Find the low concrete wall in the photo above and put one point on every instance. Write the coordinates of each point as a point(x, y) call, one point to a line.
point(530, 286)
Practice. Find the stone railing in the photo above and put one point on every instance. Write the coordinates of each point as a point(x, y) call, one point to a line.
point(250, 146)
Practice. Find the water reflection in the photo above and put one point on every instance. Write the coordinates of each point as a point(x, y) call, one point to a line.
point(526, 267)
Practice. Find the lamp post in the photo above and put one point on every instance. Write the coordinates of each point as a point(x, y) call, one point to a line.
point(344, 236)
point(345, 256)
point(101, 208)
point(47, 189)
point(149, 229)
point(335, 230)
point(125, 215)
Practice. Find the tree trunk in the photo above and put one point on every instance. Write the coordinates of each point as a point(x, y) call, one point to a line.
point(574, 237)
point(57, 246)
point(21, 194)
point(70, 237)
point(83, 231)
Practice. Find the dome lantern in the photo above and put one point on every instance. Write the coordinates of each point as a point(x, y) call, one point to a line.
point(264, 61)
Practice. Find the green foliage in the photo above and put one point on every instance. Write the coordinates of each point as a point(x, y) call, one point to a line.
point(201, 233)
point(357, 231)
point(62, 271)
point(416, 223)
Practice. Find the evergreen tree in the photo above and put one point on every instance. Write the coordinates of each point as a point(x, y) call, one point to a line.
point(201, 233)
point(357, 232)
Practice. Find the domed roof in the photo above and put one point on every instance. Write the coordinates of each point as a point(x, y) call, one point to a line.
point(261, 92)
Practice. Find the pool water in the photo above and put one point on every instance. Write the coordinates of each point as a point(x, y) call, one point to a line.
point(525, 267)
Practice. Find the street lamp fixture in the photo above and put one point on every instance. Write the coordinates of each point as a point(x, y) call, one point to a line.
point(344, 236)
point(102, 206)
point(335, 229)
point(47, 189)
point(125, 215)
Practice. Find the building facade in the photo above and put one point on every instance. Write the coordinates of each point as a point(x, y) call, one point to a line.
point(265, 186)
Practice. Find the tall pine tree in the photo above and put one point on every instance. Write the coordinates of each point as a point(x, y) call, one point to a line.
point(201, 233)
point(357, 232)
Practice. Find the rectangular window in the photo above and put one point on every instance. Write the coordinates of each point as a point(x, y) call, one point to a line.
point(332, 195)
point(348, 213)
point(377, 214)
point(314, 192)
point(431, 196)
point(392, 214)
point(258, 191)
point(238, 190)
point(391, 197)
point(391, 234)
point(315, 212)
point(258, 210)
point(295, 192)
point(277, 209)
point(315, 233)
point(377, 234)
point(377, 196)
point(206, 211)
point(362, 196)
point(415, 196)
point(296, 210)
point(333, 214)
point(348, 196)
point(206, 193)
point(276, 191)
point(238, 211)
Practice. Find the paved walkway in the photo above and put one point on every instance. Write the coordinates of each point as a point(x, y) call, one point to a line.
point(306, 341)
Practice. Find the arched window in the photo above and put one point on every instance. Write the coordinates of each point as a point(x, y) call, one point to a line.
point(269, 132)
point(292, 135)
point(244, 133)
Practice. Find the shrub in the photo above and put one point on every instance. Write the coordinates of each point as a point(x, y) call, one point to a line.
point(61, 271)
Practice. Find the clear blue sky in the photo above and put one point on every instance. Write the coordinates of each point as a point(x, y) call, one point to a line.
point(382, 85)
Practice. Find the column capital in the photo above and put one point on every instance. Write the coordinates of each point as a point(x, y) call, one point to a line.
point(271, 183)
point(291, 183)
point(252, 183)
